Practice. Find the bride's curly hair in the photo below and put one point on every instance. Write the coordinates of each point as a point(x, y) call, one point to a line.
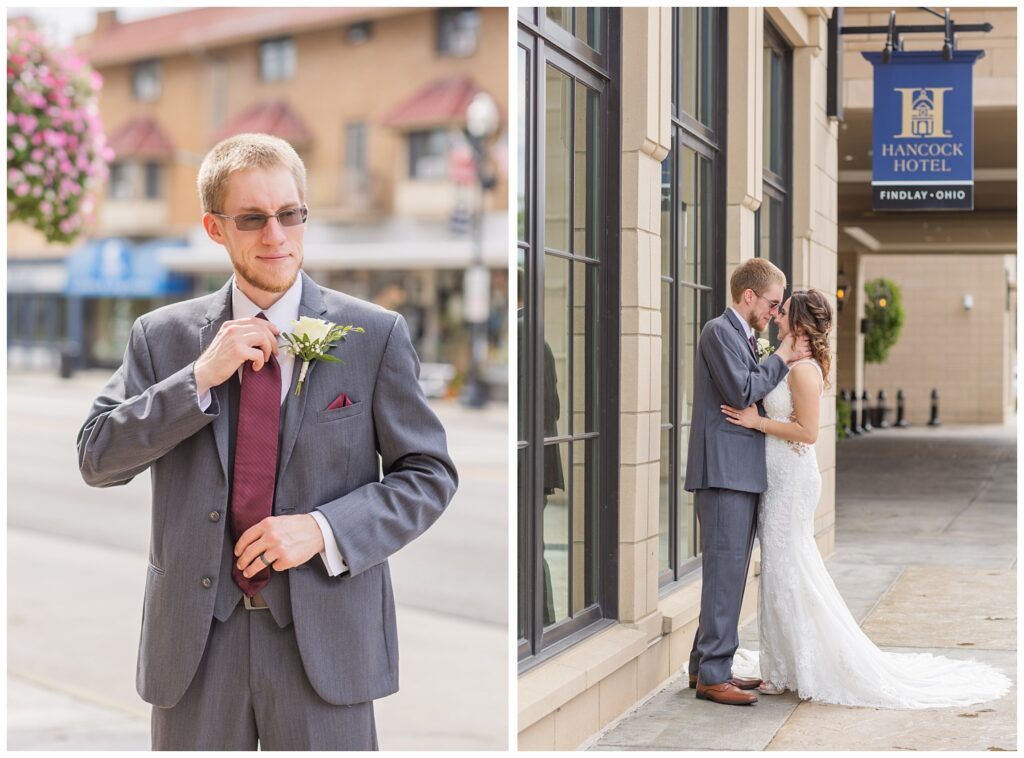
point(810, 314)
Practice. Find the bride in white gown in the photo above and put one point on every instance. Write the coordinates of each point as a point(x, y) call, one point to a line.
point(810, 643)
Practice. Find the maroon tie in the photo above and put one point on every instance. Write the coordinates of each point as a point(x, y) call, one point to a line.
point(255, 472)
point(753, 343)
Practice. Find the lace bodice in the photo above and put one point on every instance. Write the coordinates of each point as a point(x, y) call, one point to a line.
point(779, 406)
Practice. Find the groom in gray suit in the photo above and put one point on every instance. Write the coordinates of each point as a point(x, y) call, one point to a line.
point(725, 468)
point(269, 616)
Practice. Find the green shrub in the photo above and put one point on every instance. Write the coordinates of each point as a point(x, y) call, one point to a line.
point(885, 322)
point(842, 416)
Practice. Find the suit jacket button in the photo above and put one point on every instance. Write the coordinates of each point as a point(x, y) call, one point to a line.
point(214, 515)
point(207, 582)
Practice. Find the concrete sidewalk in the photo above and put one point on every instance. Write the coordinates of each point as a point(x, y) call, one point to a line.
point(926, 558)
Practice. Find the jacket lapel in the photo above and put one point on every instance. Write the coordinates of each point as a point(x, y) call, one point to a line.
point(219, 312)
point(312, 305)
point(735, 321)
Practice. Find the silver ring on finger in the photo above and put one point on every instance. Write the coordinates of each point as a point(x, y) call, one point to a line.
point(266, 563)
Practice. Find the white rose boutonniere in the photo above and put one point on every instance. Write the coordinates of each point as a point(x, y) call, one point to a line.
point(764, 348)
point(310, 340)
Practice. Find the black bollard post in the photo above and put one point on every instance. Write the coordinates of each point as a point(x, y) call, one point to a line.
point(855, 426)
point(865, 412)
point(882, 412)
point(934, 420)
point(901, 409)
point(847, 430)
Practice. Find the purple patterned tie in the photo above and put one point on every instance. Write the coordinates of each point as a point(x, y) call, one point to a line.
point(753, 343)
point(255, 472)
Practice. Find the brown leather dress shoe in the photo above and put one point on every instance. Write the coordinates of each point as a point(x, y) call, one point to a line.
point(743, 683)
point(725, 693)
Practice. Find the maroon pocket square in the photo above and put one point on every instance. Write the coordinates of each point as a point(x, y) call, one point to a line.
point(341, 401)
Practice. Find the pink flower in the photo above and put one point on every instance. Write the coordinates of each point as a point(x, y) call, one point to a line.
point(10, 154)
point(21, 190)
point(12, 119)
point(46, 207)
point(28, 123)
point(13, 176)
point(37, 155)
point(18, 141)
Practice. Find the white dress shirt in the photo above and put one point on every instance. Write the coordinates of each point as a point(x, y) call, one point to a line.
point(281, 314)
point(747, 328)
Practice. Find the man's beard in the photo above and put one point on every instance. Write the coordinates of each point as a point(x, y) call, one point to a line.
point(254, 279)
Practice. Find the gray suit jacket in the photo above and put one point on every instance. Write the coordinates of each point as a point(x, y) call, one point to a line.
point(148, 417)
point(727, 372)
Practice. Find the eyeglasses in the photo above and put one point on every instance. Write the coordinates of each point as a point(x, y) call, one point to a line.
point(773, 305)
point(250, 222)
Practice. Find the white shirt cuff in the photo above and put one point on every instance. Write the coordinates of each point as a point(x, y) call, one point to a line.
point(204, 400)
point(331, 555)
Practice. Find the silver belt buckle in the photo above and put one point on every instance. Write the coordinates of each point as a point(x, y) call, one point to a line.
point(247, 602)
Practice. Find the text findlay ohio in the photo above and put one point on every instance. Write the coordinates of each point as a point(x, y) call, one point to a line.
point(922, 194)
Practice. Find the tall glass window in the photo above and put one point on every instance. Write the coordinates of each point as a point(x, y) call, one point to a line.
point(566, 207)
point(774, 217)
point(692, 275)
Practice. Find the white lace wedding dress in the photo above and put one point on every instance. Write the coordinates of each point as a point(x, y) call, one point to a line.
point(810, 643)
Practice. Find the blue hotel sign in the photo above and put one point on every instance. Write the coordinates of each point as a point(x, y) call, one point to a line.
point(923, 131)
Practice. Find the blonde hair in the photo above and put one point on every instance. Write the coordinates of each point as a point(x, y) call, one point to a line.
point(240, 153)
point(755, 274)
point(810, 314)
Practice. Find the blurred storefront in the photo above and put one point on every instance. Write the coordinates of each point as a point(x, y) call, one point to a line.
point(375, 101)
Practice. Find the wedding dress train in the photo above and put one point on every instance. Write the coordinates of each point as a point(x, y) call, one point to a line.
point(810, 643)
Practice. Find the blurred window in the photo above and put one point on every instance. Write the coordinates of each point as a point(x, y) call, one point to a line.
point(153, 172)
point(146, 80)
point(458, 30)
point(357, 34)
point(355, 174)
point(121, 183)
point(218, 91)
point(277, 59)
point(428, 154)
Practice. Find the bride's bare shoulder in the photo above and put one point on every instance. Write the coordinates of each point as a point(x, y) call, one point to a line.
point(805, 375)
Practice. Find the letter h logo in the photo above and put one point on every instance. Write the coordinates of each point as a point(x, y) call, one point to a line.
point(922, 112)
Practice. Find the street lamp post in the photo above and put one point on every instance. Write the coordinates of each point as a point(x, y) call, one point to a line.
point(481, 126)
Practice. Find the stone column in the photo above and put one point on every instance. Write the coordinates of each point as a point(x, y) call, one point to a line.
point(646, 138)
point(744, 140)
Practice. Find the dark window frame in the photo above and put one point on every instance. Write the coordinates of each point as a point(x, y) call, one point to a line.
point(710, 143)
point(545, 46)
point(779, 186)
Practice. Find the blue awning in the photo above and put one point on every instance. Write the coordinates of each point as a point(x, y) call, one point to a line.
point(115, 267)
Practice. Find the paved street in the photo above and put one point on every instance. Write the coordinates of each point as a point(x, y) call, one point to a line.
point(926, 558)
point(77, 558)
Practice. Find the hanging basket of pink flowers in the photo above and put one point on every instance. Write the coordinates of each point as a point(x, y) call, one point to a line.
point(57, 154)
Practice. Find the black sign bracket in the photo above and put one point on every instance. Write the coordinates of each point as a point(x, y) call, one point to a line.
point(894, 34)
